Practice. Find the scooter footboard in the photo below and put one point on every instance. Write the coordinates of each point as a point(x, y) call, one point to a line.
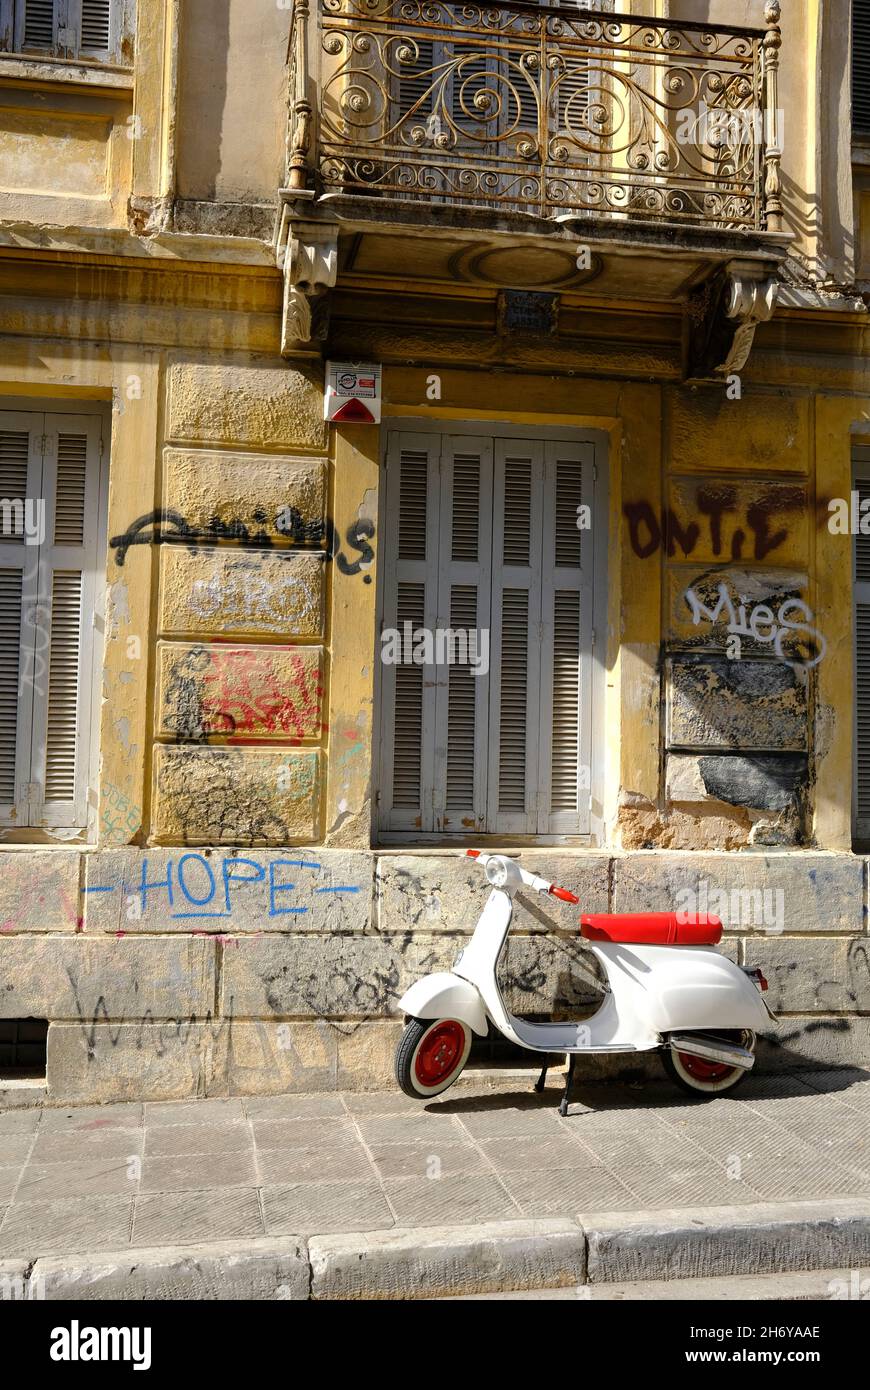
point(446, 996)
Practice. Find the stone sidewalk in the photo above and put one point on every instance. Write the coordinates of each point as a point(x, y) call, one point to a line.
point(194, 1172)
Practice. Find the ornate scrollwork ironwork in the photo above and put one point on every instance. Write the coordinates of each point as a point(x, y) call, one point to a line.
point(547, 110)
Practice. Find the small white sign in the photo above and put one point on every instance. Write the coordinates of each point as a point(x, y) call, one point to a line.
point(353, 393)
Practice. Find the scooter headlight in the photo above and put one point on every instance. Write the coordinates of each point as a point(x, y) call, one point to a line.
point(496, 872)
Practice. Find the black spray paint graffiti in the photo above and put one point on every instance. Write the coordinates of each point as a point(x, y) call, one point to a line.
point(763, 517)
point(163, 525)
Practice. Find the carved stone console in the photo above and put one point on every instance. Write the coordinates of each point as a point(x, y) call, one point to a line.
point(723, 314)
point(307, 254)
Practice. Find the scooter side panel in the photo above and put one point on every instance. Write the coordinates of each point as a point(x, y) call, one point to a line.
point(445, 995)
point(688, 987)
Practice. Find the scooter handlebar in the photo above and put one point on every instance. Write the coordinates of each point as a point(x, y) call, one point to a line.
point(563, 894)
point(540, 885)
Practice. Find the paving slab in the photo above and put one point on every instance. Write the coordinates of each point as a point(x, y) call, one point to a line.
point(471, 1197)
point(198, 1139)
point(91, 1118)
point(193, 1112)
point(307, 1208)
point(328, 1131)
point(18, 1122)
point(188, 1173)
point(81, 1223)
point(187, 1218)
point(347, 1164)
point(93, 1177)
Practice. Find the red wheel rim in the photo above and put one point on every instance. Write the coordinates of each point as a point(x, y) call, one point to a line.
point(703, 1070)
point(439, 1053)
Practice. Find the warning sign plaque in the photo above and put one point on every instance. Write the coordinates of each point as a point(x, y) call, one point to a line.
point(353, 393)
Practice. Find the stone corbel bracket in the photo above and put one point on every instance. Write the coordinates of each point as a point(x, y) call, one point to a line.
point(723, 314)
point(307, 254)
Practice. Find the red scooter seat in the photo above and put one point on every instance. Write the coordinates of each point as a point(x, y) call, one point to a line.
point(652, 928)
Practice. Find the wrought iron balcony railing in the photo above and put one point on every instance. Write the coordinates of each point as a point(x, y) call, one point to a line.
point(544, 109)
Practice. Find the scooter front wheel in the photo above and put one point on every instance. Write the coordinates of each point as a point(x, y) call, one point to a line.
point(700, 1077)
point(431, 1055)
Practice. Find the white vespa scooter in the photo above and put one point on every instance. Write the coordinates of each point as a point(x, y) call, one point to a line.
point(667, 988)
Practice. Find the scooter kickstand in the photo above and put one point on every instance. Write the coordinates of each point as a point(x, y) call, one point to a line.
point(542, 1079)
point(563, 1107)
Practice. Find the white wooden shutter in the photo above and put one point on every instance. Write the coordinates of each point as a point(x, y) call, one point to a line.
point(862, 658)
point(37, 23)
point(414, 81)
point(95, 33)
point(20, 480)
point(463, 605)
point(87, 27)
point(63, 703)
point(483, 533)
point(410, 596)
point(566, 672)
point(861, 67)
point(516, 636)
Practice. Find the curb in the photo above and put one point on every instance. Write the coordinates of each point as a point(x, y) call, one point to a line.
point(595, 1250)
point(438, 1262)
point(712, 1242)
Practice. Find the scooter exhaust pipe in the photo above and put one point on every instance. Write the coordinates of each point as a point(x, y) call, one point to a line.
point(712, 1051)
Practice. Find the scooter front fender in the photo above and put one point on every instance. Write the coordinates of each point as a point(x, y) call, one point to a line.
point(446, 996)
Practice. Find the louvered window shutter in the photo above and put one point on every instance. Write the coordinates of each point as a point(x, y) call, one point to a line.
point(37, 24)
point(518, 489)
point(415, 82)
point(20, 485)
point(861, 67)
point(862, 657)
point(410, 597)
point(64, 699)
point(566, 675)
point(463, 609)
point(95, 34)
point(88, 27)
point(483, 536)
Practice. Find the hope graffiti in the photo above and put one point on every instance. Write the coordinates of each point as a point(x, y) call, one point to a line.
point(195, 888)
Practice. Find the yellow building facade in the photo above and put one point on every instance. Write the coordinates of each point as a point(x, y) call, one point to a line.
point(231, 834)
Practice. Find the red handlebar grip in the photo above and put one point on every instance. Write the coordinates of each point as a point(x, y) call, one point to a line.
point(472, 853)
point(564, 895)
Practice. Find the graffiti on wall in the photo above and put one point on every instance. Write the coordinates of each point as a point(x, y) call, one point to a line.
point(788, 629)
point(167, 526)
point(198, 887)
point(120, 818)
point(237, 692)
point(727, 519)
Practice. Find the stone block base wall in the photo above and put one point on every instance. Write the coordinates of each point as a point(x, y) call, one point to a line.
point(173, 973)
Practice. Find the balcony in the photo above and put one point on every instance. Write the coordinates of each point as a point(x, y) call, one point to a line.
point(540, 121)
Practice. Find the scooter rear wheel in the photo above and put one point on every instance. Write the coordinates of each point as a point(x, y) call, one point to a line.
point(431, 1055)
point(701, 1078)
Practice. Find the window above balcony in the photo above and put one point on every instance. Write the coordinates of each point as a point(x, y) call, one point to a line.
point(86, 33)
